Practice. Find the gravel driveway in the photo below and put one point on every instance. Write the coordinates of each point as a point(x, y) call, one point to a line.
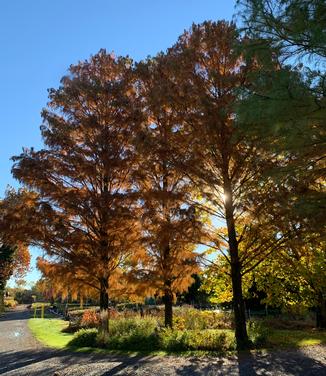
point(21, 354)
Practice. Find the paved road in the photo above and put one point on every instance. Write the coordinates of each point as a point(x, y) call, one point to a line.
point(22, 355)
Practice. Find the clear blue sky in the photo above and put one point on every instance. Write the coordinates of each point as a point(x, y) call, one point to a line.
point(39, 39)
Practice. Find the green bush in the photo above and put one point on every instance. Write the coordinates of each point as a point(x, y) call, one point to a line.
point(131, 342)
point(131, 334)
point(258, 332)
point(84, 338)
point(126, 326)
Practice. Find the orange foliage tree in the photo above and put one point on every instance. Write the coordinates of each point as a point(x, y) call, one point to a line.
point(85, 211)
point(226, 163)
point(14, 253)
point(170, 226)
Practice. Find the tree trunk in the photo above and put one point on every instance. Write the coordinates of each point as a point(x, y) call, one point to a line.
point(2, 300)
point(321, 312)
point(104, 305)
point(168, 309)
point(239, 307)
point(238, 302)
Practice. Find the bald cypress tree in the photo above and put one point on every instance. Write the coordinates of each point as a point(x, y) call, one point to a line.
point(82, 175)
point(221, 158)
point(170, 224)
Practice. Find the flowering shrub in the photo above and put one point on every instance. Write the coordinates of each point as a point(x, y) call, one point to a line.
point(90, 319)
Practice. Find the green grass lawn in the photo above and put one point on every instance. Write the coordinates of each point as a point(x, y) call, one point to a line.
point(49, 332)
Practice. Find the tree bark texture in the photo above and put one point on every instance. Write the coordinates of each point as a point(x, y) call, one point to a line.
point(321, 312)
point(104, 305)
point(168, 307)
point(238, 302)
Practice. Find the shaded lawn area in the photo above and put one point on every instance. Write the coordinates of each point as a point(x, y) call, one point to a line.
point(296, 338)
point(49, 332)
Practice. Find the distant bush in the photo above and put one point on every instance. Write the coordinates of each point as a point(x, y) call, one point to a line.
point(295, 312)
point(24, 297)
point(84, 338)
point(10, 303)
point(129, 310)
point(132, 325)
point(290, 324)
point(194, 319)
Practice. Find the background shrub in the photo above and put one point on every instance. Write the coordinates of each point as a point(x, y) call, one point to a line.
point(193, 319)
point(132, 325)
point(10, 303)
point(289, 324)
point(258, 332)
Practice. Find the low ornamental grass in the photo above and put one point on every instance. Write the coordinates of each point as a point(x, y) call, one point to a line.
point(192, 330)
point(194, 340)
point(194, 319)
point(184, 318)
point(136, 334)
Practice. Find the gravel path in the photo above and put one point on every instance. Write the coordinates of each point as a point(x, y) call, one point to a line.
point(22, 355)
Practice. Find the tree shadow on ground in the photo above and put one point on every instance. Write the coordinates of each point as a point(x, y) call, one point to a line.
point(199, 366)
point(135, 363)
point(286, 362)
point(47, 362)
point(247, 363)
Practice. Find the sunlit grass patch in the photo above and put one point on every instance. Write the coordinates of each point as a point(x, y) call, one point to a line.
point(49, 332)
